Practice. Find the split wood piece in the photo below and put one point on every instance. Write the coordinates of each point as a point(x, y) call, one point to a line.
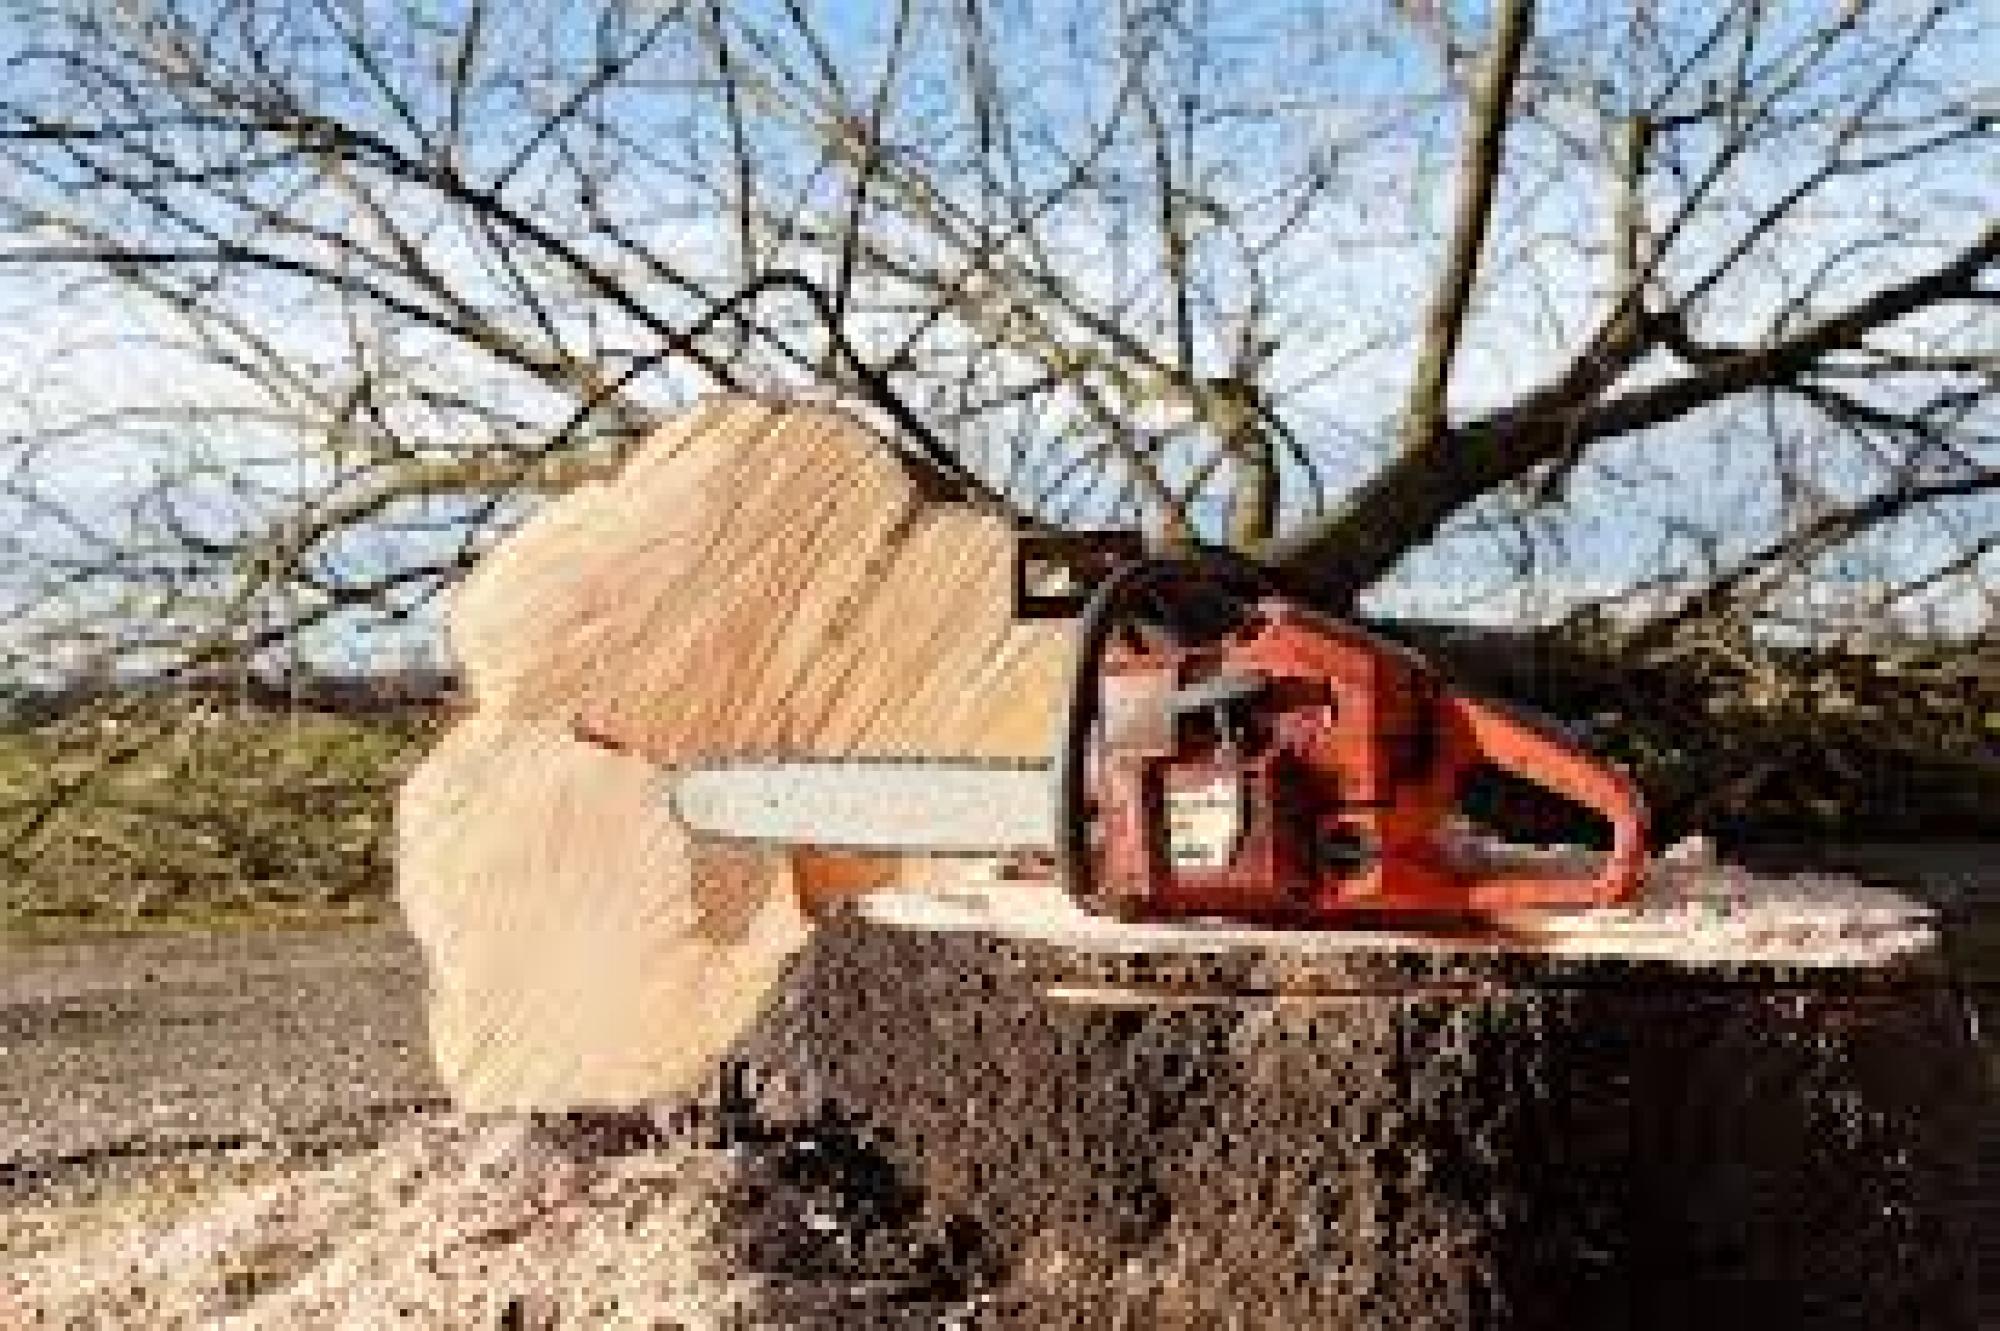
point(582, 949)
point(1468, 1136)
point(758, 578)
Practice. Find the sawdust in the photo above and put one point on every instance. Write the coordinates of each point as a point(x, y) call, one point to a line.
point(1694, 909)
point(460, 1222)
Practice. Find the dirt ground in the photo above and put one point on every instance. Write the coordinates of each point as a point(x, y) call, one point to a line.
point(244, 1131)
point(140, 1069)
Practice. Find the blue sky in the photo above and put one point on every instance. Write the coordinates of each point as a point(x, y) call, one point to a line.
point(1354, 82)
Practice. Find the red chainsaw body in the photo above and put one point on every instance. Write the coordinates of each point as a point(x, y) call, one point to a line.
point(1320, 783)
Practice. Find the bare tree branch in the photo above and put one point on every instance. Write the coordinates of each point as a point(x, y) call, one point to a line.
point(1479, 174)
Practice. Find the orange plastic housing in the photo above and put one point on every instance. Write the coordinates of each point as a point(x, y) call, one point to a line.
point(1330, 791)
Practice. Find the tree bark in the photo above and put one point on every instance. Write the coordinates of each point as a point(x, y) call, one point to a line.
point(1267, 1133)
point(1407, 502)
point(1424, 414)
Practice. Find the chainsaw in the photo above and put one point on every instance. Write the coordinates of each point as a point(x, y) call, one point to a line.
point(1223, 752)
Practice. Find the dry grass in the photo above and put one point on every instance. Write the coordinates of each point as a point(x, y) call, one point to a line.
point(237, 817)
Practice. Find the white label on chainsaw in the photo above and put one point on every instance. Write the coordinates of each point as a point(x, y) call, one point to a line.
point(1204, 823)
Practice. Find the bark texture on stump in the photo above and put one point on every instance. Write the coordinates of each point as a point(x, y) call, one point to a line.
point(1283, 1135)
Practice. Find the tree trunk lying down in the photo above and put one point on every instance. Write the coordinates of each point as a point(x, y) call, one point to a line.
point(1123, 1126)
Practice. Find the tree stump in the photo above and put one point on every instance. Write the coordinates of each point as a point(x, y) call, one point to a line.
point(1156, 1127)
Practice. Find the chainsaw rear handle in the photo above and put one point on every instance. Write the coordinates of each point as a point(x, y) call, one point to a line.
point(1479, 731)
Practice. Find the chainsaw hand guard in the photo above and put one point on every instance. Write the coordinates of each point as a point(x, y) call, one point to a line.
point(1478, 732)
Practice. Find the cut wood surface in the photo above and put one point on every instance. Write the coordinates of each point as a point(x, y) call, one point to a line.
point(757, 579)
point(760, 578)
point(1707, 919)
point(581, 949)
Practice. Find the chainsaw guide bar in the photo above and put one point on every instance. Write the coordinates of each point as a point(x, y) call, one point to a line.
point(893, 806)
